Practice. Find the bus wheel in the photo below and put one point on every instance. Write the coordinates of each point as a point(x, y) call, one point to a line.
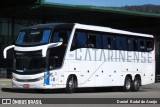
point(136, 84)
point(71, 84)
point(127, 84)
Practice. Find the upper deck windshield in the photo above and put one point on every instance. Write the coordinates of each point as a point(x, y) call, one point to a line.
point(33, 37)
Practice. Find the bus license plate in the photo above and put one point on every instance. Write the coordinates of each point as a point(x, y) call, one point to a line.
point(26, 85)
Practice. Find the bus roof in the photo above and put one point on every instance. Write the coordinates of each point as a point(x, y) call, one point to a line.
point(109, 30)
point(48, 25)
point(88, 27)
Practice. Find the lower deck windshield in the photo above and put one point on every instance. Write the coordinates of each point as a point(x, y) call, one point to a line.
point(29, 61)
point(33, 62)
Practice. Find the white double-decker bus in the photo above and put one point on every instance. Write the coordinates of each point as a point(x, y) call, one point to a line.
point(49, 56)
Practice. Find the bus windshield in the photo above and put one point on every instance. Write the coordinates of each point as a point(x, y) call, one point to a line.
point(29, 61)
point(33, 37)
point(32, 61)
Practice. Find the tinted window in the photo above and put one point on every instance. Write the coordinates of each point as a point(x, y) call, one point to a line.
point(81, 39)
point(101, 40)
point(135, 45)
point(56, 37)
point(61, 35)
point(105, 41)
point(121, 43)
point(98, 41)
point(124, 43)
point(46, 35)
point(149, 45)
point(113, 42)
point(33, 37)
point(118, 43)
point(142, 46)
point(20, 38)
point(74, 43)
point(130, 44)
point(91, 40)
point(108, 41)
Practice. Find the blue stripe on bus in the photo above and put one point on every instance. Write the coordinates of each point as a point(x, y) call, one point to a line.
point(46, 79)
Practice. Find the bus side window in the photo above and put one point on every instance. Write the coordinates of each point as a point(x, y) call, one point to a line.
point(61, 36)
point(121, 43)
point(105, 42)
point(124, 43)
point(130, 44)
point(113, 42)
point(56, 37)
point(81, 39)
point(46, 36)
point(135, 44)
point(91, 40)
point(142, 46)
point(74, 42)
point(149, 45)
point(118, 43)
point(98, 41)
point(109, 42)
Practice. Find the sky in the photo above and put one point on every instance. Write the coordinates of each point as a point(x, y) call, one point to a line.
point(116, 3)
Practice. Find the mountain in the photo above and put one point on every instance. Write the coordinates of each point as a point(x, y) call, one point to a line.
point(147, 8)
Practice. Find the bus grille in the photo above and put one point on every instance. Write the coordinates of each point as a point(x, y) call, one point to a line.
point(27, 80)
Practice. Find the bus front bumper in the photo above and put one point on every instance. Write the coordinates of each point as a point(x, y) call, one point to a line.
point(35, 85)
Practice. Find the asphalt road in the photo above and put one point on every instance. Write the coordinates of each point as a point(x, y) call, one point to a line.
point(148, 91)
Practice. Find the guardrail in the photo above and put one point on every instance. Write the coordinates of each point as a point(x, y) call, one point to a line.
point(157, 79)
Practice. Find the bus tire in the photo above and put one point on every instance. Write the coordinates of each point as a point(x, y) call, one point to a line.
point(127, 84)
point(71, 84)
point(136, 84)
